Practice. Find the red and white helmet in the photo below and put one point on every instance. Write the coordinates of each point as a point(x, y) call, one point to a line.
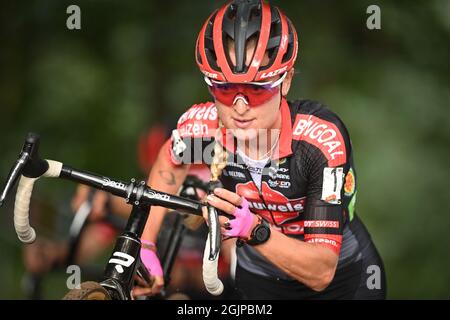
point(241, 21)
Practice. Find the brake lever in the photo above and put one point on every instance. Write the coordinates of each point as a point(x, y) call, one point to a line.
point(214, 233)
point(14, 175)
point(29, 164)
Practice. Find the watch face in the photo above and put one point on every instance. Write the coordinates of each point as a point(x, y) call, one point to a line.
point(262, 233)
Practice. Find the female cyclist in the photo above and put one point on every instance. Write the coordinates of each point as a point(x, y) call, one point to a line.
point(287, 169)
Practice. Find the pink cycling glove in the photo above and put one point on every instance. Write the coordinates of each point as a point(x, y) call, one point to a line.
point(151, 260)
point(242, 223)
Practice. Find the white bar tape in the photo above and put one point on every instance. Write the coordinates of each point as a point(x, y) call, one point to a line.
point(210, 273)
point(24, 231)
point(54, 169)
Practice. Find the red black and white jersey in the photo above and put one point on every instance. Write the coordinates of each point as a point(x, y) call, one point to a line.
point(308, 189)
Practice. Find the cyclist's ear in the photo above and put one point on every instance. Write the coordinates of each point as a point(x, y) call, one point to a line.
point(286, 85)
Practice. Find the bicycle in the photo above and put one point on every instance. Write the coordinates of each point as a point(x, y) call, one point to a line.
point(124, 263)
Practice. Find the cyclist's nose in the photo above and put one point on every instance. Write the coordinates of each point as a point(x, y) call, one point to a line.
point(240, 104)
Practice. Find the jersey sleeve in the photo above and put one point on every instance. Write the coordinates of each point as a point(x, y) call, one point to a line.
point(191, 141)
point(323, 159)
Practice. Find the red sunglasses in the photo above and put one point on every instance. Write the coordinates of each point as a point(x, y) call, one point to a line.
point(253, 93)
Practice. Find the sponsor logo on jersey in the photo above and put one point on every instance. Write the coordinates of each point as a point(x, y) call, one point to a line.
point(285, 184)
point(205, 112)
point(282, 208)
point(323, 240)
point(255, 170)
point(322, 134)
point(279, 184)
point(234, 164)
point(321, 224)
point(332, 240)
point(194, 130)
point(273, 184)
point(349, 185)
point(234, 174)
point(283, 176)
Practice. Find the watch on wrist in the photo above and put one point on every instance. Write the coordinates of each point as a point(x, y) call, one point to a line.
point(260, 233)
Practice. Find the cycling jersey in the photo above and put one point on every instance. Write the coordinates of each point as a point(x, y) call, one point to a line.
point(308, 189)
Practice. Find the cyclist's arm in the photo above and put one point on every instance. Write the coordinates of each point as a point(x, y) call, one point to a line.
point(165, 177)
point(312, 264)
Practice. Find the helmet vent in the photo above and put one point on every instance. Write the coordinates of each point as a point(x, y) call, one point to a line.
point(290, 50)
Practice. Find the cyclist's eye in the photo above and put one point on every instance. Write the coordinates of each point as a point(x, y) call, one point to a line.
point(225, 87)
point(256, 89)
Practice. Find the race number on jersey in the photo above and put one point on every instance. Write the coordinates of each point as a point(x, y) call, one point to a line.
point(332, 184)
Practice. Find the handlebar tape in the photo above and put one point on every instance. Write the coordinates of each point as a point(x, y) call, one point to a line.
point(210, 268)
point(24, 231)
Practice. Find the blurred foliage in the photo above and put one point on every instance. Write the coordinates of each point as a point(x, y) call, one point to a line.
point(90, 93)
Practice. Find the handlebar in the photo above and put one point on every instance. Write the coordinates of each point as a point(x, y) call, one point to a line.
point(30, 167)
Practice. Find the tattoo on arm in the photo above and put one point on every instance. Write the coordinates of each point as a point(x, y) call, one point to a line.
point(168, 177)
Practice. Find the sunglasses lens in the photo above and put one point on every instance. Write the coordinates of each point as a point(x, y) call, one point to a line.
point(256, 94)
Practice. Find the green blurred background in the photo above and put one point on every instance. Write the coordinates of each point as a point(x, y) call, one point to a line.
point(90, 93)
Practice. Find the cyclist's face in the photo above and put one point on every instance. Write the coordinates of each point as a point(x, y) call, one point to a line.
point(245, 121)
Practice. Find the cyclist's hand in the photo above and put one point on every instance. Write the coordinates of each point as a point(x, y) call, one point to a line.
point(99, 202)
point(233, 204)
point(153, 265)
